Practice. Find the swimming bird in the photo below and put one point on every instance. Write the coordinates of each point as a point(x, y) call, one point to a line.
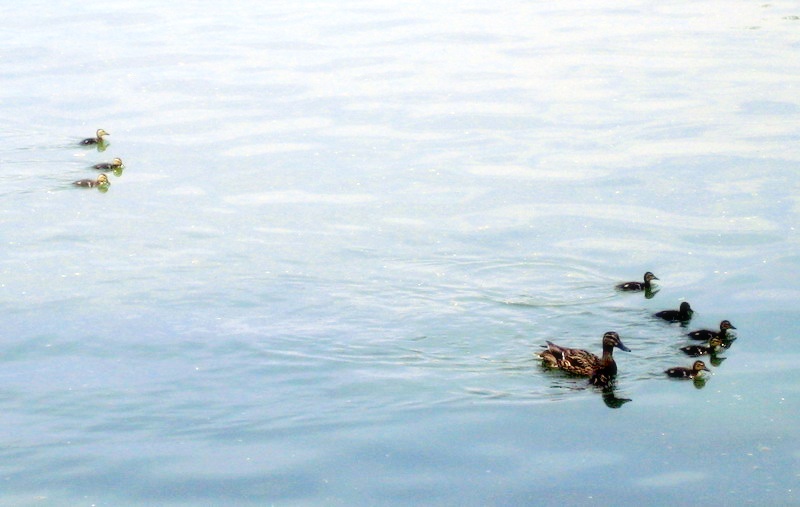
point(714, 344)
point(681, 315)
point(633, 286)
point(109, 166)
point(101, 181)
point(582, 362)
point(707, 334)
point(693, 372)
point(96, 140)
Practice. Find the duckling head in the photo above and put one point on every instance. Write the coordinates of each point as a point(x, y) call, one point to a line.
point(101, 133)
point(103, 180)
point(726, 324)
point(117, 162)
point(649, 276)
point(699, 366)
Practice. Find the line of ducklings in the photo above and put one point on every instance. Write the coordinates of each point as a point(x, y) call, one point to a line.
point(116, 166)
point(602, 370)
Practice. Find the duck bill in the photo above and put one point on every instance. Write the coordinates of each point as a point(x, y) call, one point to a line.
point(622, 346)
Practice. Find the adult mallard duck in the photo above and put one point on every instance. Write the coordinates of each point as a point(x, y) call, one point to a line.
point(714, 345)
point(637, 286)
point(101, 181)
point(109, 166)
point(96, 140)
point(600, 370)
point(693, 372)
point(707, 334)
point(683, 314)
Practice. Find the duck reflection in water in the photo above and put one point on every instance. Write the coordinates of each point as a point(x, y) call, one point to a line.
point(610, 398)
point(608, 392)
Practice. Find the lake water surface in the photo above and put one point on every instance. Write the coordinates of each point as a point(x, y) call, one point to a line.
point(344, 229)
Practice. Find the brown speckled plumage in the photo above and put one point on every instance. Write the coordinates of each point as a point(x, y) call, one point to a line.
point(600, 370)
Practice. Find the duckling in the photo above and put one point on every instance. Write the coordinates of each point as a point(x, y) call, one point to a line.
point(714, 345)
point(583, 362)
point(109, 166)
point(693, 372)
point(707, 334)
point(96, 140)
point(101, 181)
point(683, 314)
point(635, 286)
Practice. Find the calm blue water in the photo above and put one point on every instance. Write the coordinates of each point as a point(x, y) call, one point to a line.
point(344, 230)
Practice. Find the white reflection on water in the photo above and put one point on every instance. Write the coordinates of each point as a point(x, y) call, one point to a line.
point(297, 197)
point(673, 479)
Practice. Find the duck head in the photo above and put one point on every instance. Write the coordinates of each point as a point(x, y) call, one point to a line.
point(611, 340)
point(649, 276)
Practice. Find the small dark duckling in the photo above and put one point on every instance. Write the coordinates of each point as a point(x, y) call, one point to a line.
point(683, 314)
point(707, 334)
point(693, 372)
point(109, 166)
point(635, 286)
point(582, 362)
point(714, 345)
point(101, 181)
point(96, 140)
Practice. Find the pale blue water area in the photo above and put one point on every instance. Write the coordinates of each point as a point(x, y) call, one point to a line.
point(344, 229)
